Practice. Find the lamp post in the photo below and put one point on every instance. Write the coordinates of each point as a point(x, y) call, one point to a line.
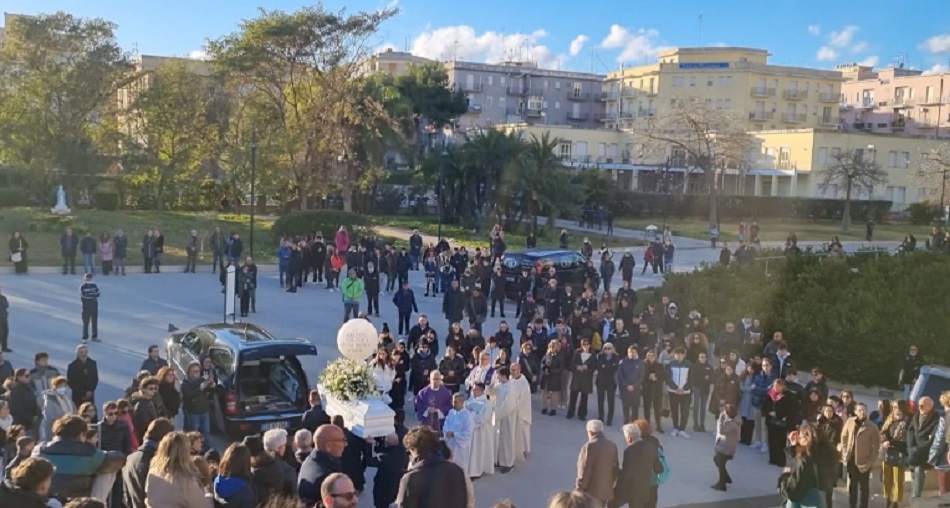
point(665, 187)
point(253, 181)
point(444, 154)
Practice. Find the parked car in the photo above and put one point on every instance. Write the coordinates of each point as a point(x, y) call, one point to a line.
point(261, 382)
point(570, 266)
point(933, 380)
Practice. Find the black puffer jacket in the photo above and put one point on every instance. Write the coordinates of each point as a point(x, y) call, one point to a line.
point(13, 496)
point(116, 437)
point(272, 477)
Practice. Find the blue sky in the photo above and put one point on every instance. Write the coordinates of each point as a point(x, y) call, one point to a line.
point(567, 34)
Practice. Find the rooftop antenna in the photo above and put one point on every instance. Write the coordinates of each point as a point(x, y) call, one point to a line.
point(455, 57)
point(700, 30)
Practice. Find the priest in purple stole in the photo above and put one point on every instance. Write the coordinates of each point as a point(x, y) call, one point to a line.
point(433, 402)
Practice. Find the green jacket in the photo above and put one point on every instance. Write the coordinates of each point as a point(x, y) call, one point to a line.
point(352, 289)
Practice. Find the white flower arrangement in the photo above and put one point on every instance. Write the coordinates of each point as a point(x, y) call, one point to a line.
point(349, 380)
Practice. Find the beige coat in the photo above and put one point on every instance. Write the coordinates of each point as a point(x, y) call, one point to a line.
point(866, 444)
point(184, 493)
point(597, 468)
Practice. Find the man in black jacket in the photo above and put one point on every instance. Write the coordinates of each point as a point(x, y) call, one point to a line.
point(390, 465)
point(920, 436)
point(432, 480)
point(324, 460)
point(371, 288)
point(135, 471)
point(318, 256)
point(68, 245)
point(89, 296)
point(453, 303)
point(498, 288)
point(4, 327)
point(314, 417)
point(83, 376)
point(114, 436)
point(195, 403)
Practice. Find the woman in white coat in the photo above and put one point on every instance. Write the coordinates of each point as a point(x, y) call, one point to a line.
point(56, 404)
point(383, 372)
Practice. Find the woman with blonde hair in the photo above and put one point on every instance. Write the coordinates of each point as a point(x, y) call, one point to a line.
point(56, 404)
point(894, 444)
point(173, 479)
point(552, 365)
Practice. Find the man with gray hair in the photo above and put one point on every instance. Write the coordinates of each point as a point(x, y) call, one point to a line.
point(303, 445)
point(597, 465)
point(272, 474)
point(640, 460)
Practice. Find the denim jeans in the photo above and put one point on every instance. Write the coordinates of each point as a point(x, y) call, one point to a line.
point(89, 263)
point(917, 485)
point(350, 307)
point(119, 265)
point(200, 423)
point(700, 397)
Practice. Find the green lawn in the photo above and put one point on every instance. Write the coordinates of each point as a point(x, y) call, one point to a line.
point(42, 230)
point(515, 240)
point(778, 229)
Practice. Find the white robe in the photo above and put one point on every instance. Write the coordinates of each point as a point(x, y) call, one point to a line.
point(462, 426)
point(506, 421)
point(522, 388)
point(482, 459)
point(478, 375)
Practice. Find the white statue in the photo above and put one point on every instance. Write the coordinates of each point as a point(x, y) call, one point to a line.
point(60, 208)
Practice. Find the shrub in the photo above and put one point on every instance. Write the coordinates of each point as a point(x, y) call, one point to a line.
point(12, 197)
point(106, 200)
point(923, 213)
point(325, 221)
point(855, 318)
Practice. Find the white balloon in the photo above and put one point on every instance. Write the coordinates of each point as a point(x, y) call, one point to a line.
point(357, 339)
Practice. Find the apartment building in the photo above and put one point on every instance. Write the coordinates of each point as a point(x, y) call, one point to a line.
point(895, 101)
point(522, 92)
point(393, 62)
point(735, 79)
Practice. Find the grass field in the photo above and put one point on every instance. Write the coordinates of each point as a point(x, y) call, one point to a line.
point(778, 230)
point(515, 240)
point(42, 231)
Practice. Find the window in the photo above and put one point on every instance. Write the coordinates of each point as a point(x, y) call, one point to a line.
point(557, 105)
point(564, 150)
point(501, 102)
point(223, 361)
point(822, 155)
point(903, 160)
point(710, 81)
point(727, 104)
point(692, 81)
point(892, 159)
point(718, 103)
point(488, 102)
point(545, 84)
point(921, 193)
point(557, 85)
point(835, 152)
point(501, 79)
point(679, 81)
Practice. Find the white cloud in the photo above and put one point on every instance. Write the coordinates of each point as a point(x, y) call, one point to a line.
point(814, 29)
point(859, 47)
point(937, 69)
point(870, 61)
point(633, 46)
point(463, 43)
point(198, 54)
point(578, 44)
point(843, 38)
point(937, 44)
point(826, 54)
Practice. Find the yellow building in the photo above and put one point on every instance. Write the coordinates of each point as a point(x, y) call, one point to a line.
point(783, 166)
point(393, 62)
point(734, 79)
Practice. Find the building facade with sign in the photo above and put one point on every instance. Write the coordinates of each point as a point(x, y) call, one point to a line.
point(740, 80)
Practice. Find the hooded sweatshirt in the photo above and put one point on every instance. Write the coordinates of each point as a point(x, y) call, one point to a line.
point(234, 492)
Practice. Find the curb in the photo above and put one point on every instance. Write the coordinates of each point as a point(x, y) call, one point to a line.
point(53, 270)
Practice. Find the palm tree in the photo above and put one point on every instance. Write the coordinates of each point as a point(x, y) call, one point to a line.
point(491, 153)
point(541, 172)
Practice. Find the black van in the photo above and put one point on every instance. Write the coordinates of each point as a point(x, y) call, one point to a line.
point(570, 267)
point(260, 381)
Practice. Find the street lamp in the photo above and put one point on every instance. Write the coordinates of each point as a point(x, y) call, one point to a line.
point(444, 154)
point(253, 180)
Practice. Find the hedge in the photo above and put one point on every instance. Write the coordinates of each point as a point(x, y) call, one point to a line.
point(12, 197)
point(106, 200)
point(743, 207)
point(326, 222)
point(854, 318)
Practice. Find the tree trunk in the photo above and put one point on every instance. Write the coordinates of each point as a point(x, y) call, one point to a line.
point(846, 215)
point(160, 190)
point(302, 195)
point(713, 198)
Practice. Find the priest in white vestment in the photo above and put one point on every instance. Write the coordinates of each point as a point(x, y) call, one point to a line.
point(458, 431)
point(484, 372)
point(506, 420)
point(522, 388)
point(482, 460)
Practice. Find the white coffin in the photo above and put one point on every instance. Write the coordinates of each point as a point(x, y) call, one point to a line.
point(368, 418)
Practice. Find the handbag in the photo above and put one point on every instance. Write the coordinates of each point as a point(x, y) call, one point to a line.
point(16, 257)
point(894, 457)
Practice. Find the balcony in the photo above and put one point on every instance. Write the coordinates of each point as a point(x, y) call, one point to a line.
point(828, 97)
point(577, 117)
point(793, 118)
point(760, 116)
point(533, 113)
point(935, 101)
point(863, 125)
point(867, 103)
point(795, 95)
point(577, 95)
point(471, 87)
point(608, 96)
point(903, 102)
point(608, 117)
point(474, 108)
point(629, 92)
point(763, 92)
point(898, 126)
point(829, 120)
point(516, 90)
point(649, 93)
point(646, 112)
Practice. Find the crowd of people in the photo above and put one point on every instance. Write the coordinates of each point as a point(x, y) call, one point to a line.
point(473, 393)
